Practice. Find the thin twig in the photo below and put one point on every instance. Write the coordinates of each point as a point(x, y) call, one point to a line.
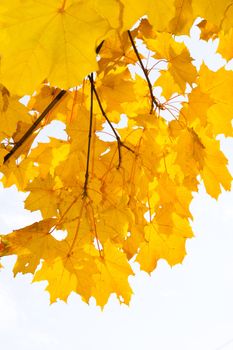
point(34, 125)
point(119, 142)
point(153, 99)
point(97, 50)
point(89, 142)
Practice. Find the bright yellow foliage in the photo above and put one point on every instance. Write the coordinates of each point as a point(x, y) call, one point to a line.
point(120, 182)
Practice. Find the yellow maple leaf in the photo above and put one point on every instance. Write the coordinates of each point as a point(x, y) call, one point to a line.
point(225, 47)
point(176, 54)
point(119, 180)
point(19, 175)
point(114, 271)
point(52, 41)
point(116, 88)
point(213, 11)
point(215, 173)
point(227, 21)
point(43, 190)
point(11, 112)
point(116, 49)
point(219, 86)
point(69, 272)
point(159, 13)
point(168, 85)
point(114, 224)
point(178, 196)
point(160, 246)
point(183, 19)
point(196, 110)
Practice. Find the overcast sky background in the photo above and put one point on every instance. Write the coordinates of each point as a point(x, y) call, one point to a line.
point(187, 307)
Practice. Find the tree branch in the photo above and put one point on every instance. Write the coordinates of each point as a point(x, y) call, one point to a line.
point(34, 125)
point(153, 99)
point(89, 142)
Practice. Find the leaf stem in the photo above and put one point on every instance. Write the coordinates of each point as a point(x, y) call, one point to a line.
point(62, 8)
point(34, 125)
point(153, 99)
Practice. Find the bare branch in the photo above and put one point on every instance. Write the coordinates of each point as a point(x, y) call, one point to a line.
point(29, 132)
point(153, 99)
point(89, 142)
point(119, 142)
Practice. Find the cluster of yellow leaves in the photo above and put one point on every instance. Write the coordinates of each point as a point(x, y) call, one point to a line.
point(120, 184)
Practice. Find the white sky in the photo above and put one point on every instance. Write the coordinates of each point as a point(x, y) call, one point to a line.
point(188, 307)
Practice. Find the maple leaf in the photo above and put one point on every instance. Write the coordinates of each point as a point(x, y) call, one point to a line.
point(113, 276)
point(176, 54)
point(215, 172)
point(225, 47)
point(31, 244)
point(11, 113)
point(42, 190)
point(55, 46)
point(159, 14)
point(116, 88)
point(182, 21)
point(217, 13)
point(219, 88)
point(68, 272)
point(170, 247)
point(140, 132)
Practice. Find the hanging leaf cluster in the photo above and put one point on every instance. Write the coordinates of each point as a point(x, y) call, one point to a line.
point(141, 125)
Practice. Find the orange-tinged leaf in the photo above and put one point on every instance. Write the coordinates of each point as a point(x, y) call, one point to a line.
point(208, 30)
point(30, 244)
point(213, 11)
point(227, 21)
point(18, 174)
point(183, 19)
point(3, 153)
point(116, 88)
